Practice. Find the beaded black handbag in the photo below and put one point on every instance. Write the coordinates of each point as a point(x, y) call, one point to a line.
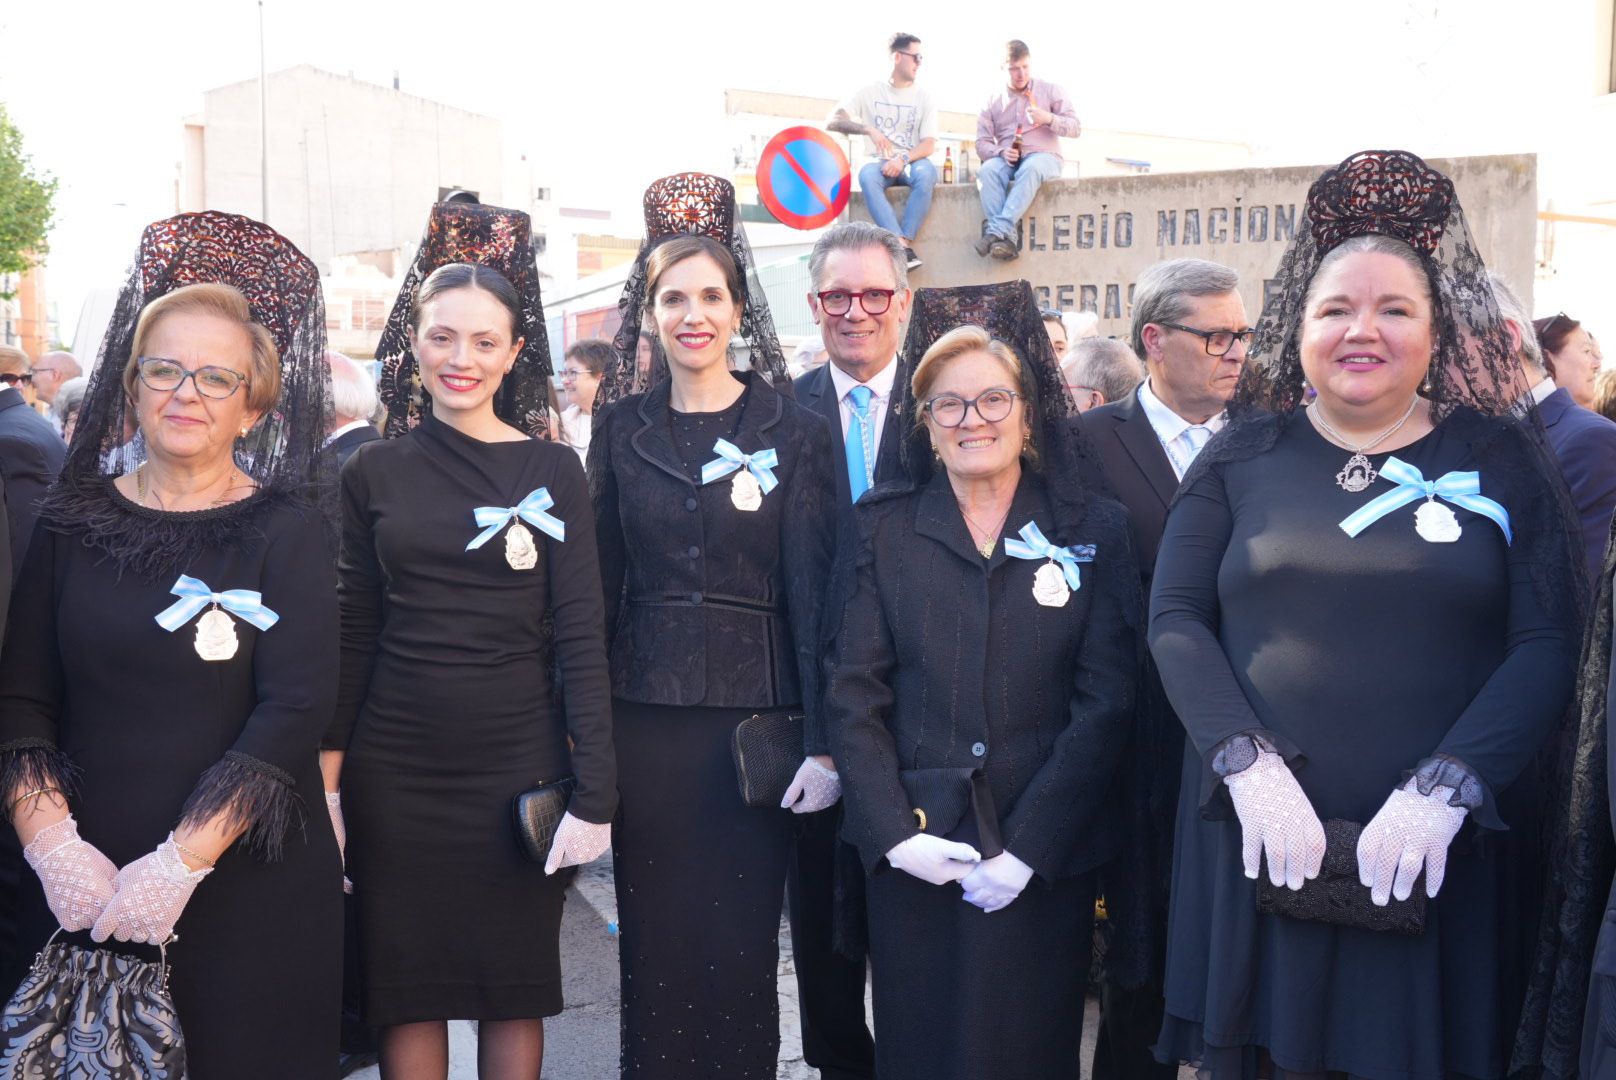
point(92, 1014)
point(1337, 896)
point(767, 748)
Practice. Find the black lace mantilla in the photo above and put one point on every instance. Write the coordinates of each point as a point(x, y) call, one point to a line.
point(690, 204)
point(502, 240)
point(283, 453)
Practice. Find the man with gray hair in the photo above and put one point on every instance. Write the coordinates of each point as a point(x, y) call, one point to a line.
point(1189, 327)
point(51, 371)
point(859, 298)
point(353, 407)
point(1100, 370)
point(1583, 442)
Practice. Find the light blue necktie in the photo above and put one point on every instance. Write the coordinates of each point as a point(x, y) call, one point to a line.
point(859, 451)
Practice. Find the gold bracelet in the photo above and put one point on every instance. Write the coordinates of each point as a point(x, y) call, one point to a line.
point(183, 850)
point(12, 813)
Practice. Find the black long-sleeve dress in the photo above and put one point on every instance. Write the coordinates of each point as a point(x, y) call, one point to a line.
point(943, 659)
point(447, 712)
point(1364, 656)
point(714, 615)
point(87, 671)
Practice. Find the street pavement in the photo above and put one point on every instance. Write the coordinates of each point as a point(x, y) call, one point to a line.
point(581, 1043)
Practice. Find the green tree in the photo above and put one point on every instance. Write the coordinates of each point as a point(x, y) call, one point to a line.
point(25, 204)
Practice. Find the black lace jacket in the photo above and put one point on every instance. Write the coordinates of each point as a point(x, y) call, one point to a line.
point(708, 604)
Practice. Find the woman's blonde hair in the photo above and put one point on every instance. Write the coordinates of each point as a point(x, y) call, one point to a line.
point(1605, 393)
point(221, 302)
point(950, 347)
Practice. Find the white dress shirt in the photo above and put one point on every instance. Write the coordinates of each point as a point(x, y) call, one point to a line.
point(880, 385)
point(1180, 439)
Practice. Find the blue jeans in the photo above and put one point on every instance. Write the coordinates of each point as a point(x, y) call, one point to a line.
point(1007, 191)
point(918, 176)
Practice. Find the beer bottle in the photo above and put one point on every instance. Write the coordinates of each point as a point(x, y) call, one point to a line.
point(948, 165)
point(1016, 146)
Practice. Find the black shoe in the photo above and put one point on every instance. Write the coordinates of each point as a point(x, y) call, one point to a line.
point(914, 260)
point(984, 244)
point(1004, 249)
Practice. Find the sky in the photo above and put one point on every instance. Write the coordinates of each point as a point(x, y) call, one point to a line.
point(606, 96)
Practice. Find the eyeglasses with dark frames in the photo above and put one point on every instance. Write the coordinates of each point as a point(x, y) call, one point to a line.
point(911, 55)
point(12, 379)
point(948, 410)
point(211, 381)
point(840, 301)
point(1218, 342)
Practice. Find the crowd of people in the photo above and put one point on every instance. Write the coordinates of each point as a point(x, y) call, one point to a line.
point(1268, 636)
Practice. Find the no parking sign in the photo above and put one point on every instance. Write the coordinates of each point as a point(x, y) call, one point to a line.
point(803, 178)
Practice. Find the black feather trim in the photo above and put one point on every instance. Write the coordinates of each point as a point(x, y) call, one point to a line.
point(31, 764)
point(151, 544)
point(251, 794)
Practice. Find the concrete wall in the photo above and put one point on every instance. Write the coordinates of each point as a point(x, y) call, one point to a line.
point(1084, 242)
point(352, 166)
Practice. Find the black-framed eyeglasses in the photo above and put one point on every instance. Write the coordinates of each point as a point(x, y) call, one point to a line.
point(1217, 342)
point(911, 55)
point(210, 381)
point(948, 410)
point(12, 379)
point(1545, 327)
point(840, 301)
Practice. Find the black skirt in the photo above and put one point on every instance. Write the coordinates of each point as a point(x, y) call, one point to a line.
point(700, 886)
point(962, 994)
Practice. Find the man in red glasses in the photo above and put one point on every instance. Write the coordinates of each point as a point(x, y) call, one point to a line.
point(31, 453)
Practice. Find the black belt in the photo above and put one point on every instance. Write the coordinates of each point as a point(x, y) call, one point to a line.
point(700, 599)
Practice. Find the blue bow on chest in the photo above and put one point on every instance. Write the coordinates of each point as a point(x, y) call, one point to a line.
point(1033, 545)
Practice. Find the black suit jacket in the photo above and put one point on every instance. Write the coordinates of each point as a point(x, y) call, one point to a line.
point(31, 455)
point(816, 392)
point(1584, 445)
point(345, 444)
point(707, 604)
point(943, 659)
point(1139, 472)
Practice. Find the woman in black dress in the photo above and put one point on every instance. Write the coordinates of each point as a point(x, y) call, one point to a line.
point(1338, 652)
point(172, 656)
point(985, 644)
point(467, 572)
point(715, 510)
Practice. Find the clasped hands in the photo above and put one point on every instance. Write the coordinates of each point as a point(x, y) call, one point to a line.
point(1411, 832)
point(85, 891)
point(990, 884)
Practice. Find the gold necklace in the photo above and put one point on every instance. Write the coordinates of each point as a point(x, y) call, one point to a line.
point(142, 489)
point(985, 548)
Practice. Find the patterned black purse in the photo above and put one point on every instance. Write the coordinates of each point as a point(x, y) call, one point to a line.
point(92, 1014)
point(1337, 896)
point(538, 812)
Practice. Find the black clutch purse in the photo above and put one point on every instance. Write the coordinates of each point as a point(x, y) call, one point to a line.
point(956, 804)
point(767, 748)
point(538, 811)
point(1337, 896)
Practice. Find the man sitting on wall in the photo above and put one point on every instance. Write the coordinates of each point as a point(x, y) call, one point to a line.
point(1018, 137)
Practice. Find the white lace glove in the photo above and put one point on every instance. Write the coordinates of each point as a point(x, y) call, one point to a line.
point(333, 806)
point(152, 892)
point(814, 788)
point(933, 859)
point(577, 842)
point(1411, 832)
point(996, 881)
point(1276, 817)
point(76, 876)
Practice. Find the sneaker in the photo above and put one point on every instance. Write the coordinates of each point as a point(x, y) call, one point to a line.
point(1003, 249)
point(914, 260)
point(984, 243)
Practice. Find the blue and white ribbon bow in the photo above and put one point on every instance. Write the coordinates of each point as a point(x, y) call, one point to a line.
point(1032, 545)
point(195, 595)
point(730, 459)
point(531, 509)
point(1459, 488)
